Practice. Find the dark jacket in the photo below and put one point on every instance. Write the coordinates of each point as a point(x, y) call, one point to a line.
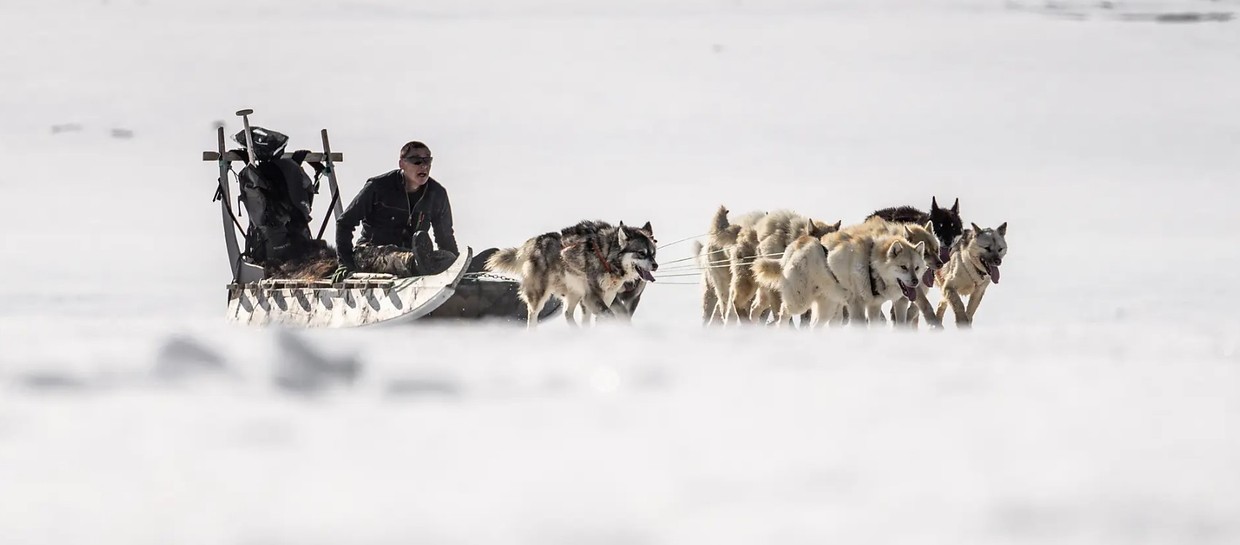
point(383, 210)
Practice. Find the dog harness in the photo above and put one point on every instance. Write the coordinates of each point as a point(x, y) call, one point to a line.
point(979, 274)
point(597, 252)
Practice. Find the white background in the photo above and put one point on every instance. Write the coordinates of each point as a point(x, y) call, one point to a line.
point(1096, 400)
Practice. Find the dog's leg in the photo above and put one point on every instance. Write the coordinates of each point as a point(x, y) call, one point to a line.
point(856, 313)
point(742, 300)
point(593, 302)
point(952, 297)
point(923, 305)
point(899, 311)
point(725, 301)
point(630, 305)
point(875, 314)
point(941, 311)
point(710, 301)
point(832, 313)
point(534, 301)
point(784, 318)
point(974, 300)
point(720, 279)
point(761, 302)
point(620, 310)
point(821, 312)
point(570, 308)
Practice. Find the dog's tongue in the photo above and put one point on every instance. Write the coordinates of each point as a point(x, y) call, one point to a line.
point(909, 292)
point(928, 278)
point(993, 272)
point(645, 274)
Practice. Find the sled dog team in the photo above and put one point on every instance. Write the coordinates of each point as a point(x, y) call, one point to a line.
point(778, 265)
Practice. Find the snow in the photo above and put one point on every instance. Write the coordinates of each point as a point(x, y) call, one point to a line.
point(1095, 401)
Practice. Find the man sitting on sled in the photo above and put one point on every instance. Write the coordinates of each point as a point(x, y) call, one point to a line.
point(394, 210)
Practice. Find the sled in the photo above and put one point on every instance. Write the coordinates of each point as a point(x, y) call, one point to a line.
point(462, 292)
point(360, 300)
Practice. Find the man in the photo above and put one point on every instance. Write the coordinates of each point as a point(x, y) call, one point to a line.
point(394, 210)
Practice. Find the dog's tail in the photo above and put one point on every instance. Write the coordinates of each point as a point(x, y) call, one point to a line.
point(506, 260)
point(768, 272)
point(722, 232)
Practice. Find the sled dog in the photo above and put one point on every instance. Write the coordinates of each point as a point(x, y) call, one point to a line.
point(715, 259)
point(776, 231)
point(947, 224)
point(903, 310)
point(857, 270)
point(588, 263)
point(973, 266)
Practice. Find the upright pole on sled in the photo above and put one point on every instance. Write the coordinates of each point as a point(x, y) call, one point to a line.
point(242, 272)
point(249, 137)
point(337, 207)
point(230, 236)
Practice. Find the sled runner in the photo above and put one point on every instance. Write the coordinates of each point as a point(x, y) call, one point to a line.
point(276, 195)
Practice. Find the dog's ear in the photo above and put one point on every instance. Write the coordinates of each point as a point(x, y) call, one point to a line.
point(895, 249)
point(929, 227)
point(647, 228)
point(1002, 229)
point(836, 226)
point(976, 230)
point(920, 248)
point(934, 204)
point(620, 233)
point(956, 207)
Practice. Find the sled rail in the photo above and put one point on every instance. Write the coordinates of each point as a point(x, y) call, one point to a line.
point(313, 157)
point(357, 280)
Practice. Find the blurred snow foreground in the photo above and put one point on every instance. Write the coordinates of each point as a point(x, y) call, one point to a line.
point(629, 435)
point(1096, 401)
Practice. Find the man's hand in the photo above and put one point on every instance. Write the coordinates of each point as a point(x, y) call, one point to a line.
point(341, 274)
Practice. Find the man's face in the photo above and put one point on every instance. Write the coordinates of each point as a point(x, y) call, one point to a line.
point(416, 166)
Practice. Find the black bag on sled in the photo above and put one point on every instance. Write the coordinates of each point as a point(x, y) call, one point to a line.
point(278, 195)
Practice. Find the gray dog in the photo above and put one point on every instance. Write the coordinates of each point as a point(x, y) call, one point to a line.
point(590, 263)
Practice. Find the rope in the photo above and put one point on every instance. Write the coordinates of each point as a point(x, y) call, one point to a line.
point(673, 275)
point(722, 263)
point(679, 260)
point(674, 242)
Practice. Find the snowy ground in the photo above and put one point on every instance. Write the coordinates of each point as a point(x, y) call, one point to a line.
point(1096, 401)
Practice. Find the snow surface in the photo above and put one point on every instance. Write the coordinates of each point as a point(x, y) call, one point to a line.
point(1096, 400)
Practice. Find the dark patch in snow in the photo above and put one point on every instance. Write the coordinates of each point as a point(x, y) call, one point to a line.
point(304, 369)
point(184, 357)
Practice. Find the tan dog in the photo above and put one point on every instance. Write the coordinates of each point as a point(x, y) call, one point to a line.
point(715, 258)
point(775, 232)
point(875, 267)
point(856, 270)
point(973, 266)
point(903, 310)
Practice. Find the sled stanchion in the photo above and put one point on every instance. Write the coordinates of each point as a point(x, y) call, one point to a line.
point(329, 163)
point(249, 136)
point(230, 236)
point(329, 166)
